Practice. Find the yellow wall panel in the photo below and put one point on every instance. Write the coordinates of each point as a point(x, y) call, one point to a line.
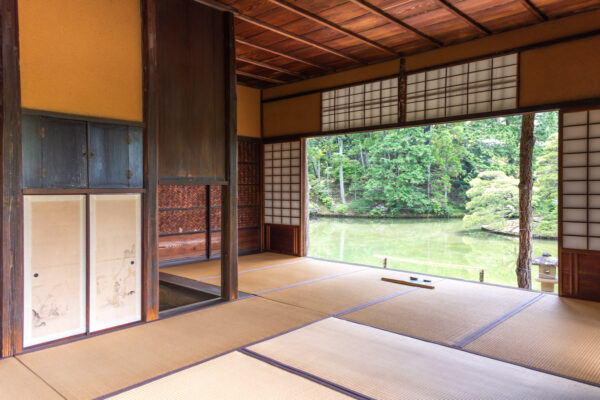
point(561, 73)
point(292, 116)
point(82, 57)
point(248, 112)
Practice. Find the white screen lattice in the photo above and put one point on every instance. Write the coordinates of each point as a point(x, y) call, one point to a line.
point(358, 106)
point(472, 88)
point(581, 180)
point(282, 183)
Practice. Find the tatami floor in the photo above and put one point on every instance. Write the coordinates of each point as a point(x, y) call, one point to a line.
point(318, 329)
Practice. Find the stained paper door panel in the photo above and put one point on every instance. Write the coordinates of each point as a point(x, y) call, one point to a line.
point(115, 260)
point(54, 265)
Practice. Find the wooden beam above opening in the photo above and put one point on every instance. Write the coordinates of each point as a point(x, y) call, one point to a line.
point(301, 39)
point(331, 25)
point(394, 20)
point(480, 28)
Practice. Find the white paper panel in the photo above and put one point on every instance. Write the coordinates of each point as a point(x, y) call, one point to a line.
point(594, 187)
point(594, 159)
point(575, 118)
point(574, 187)
point(284, 183)
point(593, 215)
point(594, 173)
point(594, 130)
point(575, 132)
point(575, 201)
point(574, 160)
point(575, 146)
point(594, 229)
point(574, 228)
point(574, 242)
point(594, 243)
point(575, 215)
point(593, 201)
point(579, 173)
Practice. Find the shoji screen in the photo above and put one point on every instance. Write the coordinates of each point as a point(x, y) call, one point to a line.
point(282, 183)
point(472, 88)
point(55, 267)
point(368, 104)
point(581, 180)
point(284, 197)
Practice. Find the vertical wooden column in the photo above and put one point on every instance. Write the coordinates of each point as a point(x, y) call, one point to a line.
point(150, 290)
point(304, 198)
point(229, 221)
point(11, 276)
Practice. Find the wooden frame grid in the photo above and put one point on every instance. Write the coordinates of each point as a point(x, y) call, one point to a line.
point(282, 183)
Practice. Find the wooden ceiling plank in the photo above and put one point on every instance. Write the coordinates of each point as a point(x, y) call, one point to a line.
point(258, 77)
point(331, 25)
point(268, 66)
point(456, 12)
point(300, 60)
point(528, 4)
point(290, 35)
point(371, 8)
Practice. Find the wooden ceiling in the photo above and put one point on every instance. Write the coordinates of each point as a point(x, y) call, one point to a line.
point(282, 41)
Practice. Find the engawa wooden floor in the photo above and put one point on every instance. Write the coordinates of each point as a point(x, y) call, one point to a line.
point(321, 330)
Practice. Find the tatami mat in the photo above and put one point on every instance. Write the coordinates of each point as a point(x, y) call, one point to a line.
point(106, 363)
point(232, 376)
point(447, 314)
point(335, 295)
point(384, 365)
point(211, 269)
point(555, 334)
point(17, 382)
point(290, 274)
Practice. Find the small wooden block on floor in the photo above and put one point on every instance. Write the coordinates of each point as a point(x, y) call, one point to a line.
point(451, 312)
point(17, 382)
point(385, 365)
point(232, 376)
point(555, 334)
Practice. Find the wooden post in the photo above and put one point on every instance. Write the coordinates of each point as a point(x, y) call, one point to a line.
point(525, 208)
point(11, 272)
point(150, 282)
point(229, 231)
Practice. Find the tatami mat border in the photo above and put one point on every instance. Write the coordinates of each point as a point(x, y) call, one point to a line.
point(322, 278)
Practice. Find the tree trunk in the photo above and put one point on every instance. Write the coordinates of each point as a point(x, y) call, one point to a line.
point(341, 147)
point(525, 208)
point(428, 142)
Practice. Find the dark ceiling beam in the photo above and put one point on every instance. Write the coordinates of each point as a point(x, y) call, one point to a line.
point(331, 25)
point(390, 18)
point(280, 54)
point(258, 77)
point(217, 6)
point(268, 66)
point(533, 10)
point(457, 13)
point(298, 38)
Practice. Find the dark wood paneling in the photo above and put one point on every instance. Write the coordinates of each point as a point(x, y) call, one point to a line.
point(192, 111)
point(115, 156)
point(54, 153)
point(282, 239)
point(182, 246)
point(11, 272)
point(580, 274)
point(150, 278)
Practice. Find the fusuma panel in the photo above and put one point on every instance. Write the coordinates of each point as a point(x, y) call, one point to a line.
point(477, 87)
point(282, 188)
point(54, 267)
point(580, 168)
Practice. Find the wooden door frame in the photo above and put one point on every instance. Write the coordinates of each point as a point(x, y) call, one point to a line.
point(11, 272)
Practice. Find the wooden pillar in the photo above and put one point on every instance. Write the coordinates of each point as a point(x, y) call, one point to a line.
point(11, 273)
point(525, 198)
point(150, 290)
point(229, 231)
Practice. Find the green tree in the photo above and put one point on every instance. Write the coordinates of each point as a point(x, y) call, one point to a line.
point(494, 197)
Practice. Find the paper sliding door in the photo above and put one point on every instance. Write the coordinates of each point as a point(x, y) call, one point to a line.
point(54, 266)
point(115, 260)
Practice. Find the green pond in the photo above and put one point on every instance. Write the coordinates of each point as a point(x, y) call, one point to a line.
point(421, 244)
